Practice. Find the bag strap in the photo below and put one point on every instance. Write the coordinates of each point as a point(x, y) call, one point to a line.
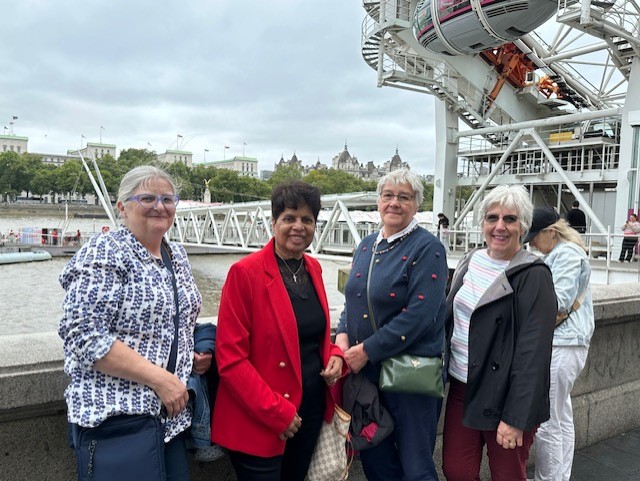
point(166, 257)
point(578, 302)
point(374, 324)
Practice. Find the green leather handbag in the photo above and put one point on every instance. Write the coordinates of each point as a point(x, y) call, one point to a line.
point(407, 373)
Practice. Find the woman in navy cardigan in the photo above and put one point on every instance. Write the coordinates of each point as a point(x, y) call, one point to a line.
point(398, 281)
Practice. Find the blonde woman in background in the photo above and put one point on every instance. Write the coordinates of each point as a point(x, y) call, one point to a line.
point(566, 256)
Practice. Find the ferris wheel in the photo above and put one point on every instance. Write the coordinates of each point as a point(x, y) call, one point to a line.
point(520, 63)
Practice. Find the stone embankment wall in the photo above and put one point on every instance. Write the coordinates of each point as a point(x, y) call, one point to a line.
point(33, 424)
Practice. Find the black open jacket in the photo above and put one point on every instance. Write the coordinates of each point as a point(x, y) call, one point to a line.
point(510, 341)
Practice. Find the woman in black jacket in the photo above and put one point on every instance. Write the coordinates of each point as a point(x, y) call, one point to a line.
point(500, 317)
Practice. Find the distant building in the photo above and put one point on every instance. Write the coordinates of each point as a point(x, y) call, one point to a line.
point(175, 156)
point(244, 166)
point(317, 166)
point(395, 164)
point(345, 162)
point(266, 174)
point(57, 159)
point(292, 162)
point(13, 143)
point(95, 150)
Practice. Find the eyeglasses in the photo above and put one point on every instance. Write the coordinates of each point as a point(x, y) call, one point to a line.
point(402, 198)
point(507, 219)
point(149, 201)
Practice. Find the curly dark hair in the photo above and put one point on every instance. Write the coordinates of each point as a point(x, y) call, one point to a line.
point(294, 195)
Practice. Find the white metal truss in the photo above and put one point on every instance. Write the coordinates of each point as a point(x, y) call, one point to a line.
point(247, 226)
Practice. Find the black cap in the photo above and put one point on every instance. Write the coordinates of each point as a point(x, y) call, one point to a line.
point(543, 217)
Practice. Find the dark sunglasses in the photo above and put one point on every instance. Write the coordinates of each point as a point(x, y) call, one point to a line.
point(507, 219)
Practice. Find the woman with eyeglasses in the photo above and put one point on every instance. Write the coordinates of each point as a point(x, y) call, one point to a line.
point(129, 348)
point(395, 304)
point(499, 327)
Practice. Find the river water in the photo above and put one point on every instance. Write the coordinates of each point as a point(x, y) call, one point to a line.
point(31, 296)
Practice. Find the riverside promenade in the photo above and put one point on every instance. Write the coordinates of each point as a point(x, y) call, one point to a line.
point(606, 402)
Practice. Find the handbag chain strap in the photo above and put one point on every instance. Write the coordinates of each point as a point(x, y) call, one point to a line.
point(173, 355)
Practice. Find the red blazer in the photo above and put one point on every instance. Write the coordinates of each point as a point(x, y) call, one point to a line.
point(258, 356)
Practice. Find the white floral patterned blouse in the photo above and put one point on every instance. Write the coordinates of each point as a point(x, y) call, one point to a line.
point(116, 289)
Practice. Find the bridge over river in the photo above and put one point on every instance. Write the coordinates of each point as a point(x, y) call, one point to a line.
point(342, 223)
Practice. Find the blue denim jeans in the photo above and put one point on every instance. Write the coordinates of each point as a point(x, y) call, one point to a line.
point(407, 454)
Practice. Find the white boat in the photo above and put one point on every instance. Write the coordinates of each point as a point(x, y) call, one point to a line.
point(30, 256)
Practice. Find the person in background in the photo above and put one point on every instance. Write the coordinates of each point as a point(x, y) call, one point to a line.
point(397, 280)
point(443, 229)
point(576, 218)
point(565, 254)
point(499, 328)
point(631, 229)
point(118, 325)
point(273, 348)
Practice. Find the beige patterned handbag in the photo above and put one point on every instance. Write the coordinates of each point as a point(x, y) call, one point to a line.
point(329, 461)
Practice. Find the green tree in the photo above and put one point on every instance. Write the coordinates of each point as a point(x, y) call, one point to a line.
point(253, 189)
point(332, 181)
point(225, 186)
point(71, 177)
point(44, 180)
point(130, 158)
point(182, 175)
point(285, 174)
point(9, 174)
point(427, 203)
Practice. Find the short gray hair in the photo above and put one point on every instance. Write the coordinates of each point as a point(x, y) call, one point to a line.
point(403, 176)
point(139, 176)
point(514, 197)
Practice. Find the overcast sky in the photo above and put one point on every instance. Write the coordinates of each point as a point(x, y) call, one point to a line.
point(283, 76)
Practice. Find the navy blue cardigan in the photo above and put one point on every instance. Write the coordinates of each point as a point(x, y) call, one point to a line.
point(407, 296)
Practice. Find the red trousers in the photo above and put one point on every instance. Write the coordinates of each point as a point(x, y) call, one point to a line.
point(462, 446)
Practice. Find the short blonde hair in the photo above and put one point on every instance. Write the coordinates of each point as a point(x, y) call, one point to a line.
point(567, 233)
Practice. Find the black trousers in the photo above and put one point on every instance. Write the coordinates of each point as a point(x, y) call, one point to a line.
point(294, 463)
point(628, 244)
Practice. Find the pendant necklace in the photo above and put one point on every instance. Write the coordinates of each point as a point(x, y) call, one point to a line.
point(294, 274)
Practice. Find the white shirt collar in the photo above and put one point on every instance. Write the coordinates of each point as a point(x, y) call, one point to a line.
point(412, 225)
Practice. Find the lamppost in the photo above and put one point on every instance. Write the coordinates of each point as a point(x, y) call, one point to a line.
point(205, 155)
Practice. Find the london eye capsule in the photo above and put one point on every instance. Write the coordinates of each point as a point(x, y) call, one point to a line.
point(463, 27)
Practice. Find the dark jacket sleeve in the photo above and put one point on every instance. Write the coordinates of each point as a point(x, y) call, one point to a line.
point(535, 308)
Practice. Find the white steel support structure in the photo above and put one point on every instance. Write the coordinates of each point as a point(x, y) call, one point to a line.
point(590, 48)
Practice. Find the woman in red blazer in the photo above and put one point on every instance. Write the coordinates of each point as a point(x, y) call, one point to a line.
point(273, 348)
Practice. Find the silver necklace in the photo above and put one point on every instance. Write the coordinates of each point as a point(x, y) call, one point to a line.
point(294, 274)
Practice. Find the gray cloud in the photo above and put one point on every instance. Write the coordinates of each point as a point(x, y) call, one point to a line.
point(281, 76)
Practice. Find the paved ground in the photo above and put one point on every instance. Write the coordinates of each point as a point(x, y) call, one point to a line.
point(616, 459)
